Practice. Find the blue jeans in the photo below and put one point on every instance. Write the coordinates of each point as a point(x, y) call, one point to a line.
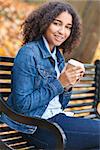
point(82, 134)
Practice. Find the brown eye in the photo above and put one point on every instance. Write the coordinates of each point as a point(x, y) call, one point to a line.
point(56, 23)
point(67, 27)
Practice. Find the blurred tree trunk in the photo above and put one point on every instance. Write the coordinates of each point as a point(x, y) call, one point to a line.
point(90, 12)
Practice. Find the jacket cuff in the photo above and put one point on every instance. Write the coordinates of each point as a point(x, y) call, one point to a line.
point(57, 86)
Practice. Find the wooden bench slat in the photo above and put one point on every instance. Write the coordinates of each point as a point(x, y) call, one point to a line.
point(89, 66)
point(5, 85)
point(91, 116)
point(82, 91)
point(80, 85)
point(20, 144)
point(6, 59)
point(11, 135)
point(5, 68)
point(80, 105)
point(4, 94)
point(84, 111)
point(5, 76)
point(13, 141)
point(87, 79)
point(5, 129)
point(90, 72)
point(28, 148)
point(82, 97)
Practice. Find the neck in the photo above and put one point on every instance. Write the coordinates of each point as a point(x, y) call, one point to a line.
point(49, 46)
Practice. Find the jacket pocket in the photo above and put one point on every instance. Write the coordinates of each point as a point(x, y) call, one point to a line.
point(45, 72)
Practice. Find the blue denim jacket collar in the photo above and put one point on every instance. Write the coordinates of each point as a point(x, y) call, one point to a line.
point(43, 48)
point(46, 54)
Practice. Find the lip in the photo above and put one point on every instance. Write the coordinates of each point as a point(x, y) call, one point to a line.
point(59, 38)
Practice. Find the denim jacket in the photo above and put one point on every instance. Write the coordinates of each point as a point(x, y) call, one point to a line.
point(34, 83)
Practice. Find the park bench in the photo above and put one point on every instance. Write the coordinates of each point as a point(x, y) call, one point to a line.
point(84, 101)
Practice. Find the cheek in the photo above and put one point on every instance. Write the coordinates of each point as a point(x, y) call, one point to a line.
point(67, 34)
point(53, 29)
point(49, 32)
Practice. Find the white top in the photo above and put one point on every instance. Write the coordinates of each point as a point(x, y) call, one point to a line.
point(54, 106)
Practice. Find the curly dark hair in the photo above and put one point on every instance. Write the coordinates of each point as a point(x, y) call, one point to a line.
point(39, 20)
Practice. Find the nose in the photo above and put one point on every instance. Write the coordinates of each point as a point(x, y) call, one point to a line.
point(61, 30)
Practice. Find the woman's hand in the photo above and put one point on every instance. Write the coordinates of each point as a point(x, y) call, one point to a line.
point(70, 75)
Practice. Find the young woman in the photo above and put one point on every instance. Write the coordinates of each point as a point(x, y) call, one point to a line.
point(42, 83)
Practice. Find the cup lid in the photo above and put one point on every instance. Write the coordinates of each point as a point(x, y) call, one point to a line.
point(76, 63)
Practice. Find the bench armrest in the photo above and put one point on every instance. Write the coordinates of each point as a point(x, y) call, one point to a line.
point(35, 121)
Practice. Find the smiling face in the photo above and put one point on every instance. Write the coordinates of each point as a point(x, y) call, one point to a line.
point(59, 30)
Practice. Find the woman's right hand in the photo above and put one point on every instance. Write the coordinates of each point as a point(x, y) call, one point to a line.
point(70, 75)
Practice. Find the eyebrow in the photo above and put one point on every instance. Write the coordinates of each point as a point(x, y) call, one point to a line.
point(61, 21)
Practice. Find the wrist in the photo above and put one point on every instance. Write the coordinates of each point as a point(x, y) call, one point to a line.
point(69, 88)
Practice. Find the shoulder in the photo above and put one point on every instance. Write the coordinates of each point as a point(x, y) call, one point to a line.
point(30, 49)
point(27, 53)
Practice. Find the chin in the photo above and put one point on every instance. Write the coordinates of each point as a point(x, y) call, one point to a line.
point(58, 44)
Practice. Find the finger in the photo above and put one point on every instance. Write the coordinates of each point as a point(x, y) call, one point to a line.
point(81, 74)
point(81, 69)
point(73, 77)
point(75, 70)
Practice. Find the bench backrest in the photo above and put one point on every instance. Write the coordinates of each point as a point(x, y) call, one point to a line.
point(85, 95)
point(6, 64)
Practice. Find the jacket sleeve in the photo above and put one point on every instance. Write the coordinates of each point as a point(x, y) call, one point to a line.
point(65, 98)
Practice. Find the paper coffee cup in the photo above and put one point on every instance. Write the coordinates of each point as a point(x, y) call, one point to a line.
point(76, 63)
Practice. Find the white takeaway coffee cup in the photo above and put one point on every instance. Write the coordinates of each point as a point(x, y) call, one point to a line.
point(74, 62)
